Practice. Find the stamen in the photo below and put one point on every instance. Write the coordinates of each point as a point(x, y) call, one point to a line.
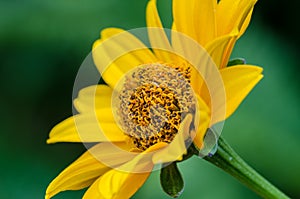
point(152, 101)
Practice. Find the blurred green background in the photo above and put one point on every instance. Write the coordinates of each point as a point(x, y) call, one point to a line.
point(42, 46)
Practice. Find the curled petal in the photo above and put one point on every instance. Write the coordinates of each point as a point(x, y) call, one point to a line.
point(220, 48)
point(232, 14)
point(177, 147)
point(202, 121)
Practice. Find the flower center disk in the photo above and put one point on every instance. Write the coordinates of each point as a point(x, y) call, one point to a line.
point(151, 101)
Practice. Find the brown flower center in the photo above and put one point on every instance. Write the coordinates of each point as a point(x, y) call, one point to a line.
point(152, 101)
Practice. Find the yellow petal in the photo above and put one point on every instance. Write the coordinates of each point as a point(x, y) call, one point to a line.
point(246, 23)
point(180, 44)
point(195, 18)
point(93, 97)
point(86, 169)
point(86, 128)
point(124, 181)
point(116, 185)
point(177, 147)
point(183, 16)
point(187, 49)
point(239, 81)
point(121, 42)
point(220, 48)
point(202, 122)
point(190, 53)
point(233, 14)
point(157, 36)
point(204, 20)
point(142, 161)
point(117, 52)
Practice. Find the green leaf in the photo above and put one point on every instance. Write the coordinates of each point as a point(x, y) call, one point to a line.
point(236, 61)
point(171, 180)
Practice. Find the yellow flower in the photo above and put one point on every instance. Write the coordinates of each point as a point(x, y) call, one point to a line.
point(123, 158)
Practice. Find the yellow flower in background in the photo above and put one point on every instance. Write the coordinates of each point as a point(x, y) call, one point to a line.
point(129, 152)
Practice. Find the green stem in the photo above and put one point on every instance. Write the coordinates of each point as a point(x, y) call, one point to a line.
point(228, 160)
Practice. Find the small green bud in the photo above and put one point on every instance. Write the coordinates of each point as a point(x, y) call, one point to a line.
point(171, 180)
point(236, 61)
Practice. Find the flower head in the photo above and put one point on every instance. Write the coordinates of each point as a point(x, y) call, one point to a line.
point(158, 102)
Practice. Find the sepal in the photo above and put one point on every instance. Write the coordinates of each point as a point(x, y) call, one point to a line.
point(171, 180)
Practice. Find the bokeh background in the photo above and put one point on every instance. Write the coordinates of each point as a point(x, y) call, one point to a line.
point(42, 45)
